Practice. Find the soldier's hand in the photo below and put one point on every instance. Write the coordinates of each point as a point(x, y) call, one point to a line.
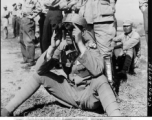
point(77, 34)
point(54, 41)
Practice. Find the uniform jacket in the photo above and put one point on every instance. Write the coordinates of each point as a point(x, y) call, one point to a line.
point(130, 41)
point(95, 11)
point(91, 63)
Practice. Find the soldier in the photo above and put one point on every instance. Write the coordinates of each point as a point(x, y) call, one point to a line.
point(127, 47)
point(28, 33)
point(100, 13)
point(53, 18)
point(143, 6)
point(19, 16)
point(5, 21)
point(88, 88)
point(14, 21)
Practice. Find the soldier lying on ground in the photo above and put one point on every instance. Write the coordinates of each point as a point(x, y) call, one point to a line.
point(84, 86)
point(126, 48)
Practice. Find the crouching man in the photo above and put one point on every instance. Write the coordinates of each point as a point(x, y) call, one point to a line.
point(126, 48)
point(84, 86)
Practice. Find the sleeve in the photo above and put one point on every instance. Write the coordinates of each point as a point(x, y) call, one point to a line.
point(92, 60)
point(43, 66)
point(134, 40)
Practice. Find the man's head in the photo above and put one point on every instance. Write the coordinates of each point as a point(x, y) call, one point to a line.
point(19, 5)
point(5, 7)
point(143, 4)
point(70, 21)
point(14, 6)
point(127, 26)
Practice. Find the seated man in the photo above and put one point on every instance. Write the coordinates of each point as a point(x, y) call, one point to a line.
point(84, 87)
point(126, 47)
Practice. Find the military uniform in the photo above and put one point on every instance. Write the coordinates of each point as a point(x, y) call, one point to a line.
point(142, 3)
point(15, 24)
point(101, 14)
point(28, 33)
point(53, 18)
point(129, 51)
point(5, 21)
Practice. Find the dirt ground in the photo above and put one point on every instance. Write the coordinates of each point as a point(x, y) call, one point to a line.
point(133, 93)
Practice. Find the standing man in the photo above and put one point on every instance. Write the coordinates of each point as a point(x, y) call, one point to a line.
point(19, 17)
point(28, 33)
point(143, 6)
point(14, 21)
point(100, 13)
point(5, 21)
point(53, 18)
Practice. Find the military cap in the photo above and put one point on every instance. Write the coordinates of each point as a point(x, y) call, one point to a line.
point(141, 2)
point(19, 4)
point(14, 4)
point(127, 22)
point(75, 18)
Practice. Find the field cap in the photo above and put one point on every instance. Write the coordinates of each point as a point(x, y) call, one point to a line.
point(141, 2)
point(75, 18)
point(14, 4)
point(127, 22)
point(19, 4)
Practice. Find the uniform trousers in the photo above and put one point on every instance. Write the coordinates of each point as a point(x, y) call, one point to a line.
point(86, 96)
point(41, 24)
point(15, 26)
point(53, 18)
point(27, 39)
point(104, 33)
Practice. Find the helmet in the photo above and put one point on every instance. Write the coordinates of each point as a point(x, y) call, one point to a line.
point(75, 18)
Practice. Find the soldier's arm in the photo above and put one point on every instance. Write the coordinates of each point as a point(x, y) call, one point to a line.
point(134, 40)
point(45, 63)
point(51, 57)
point(92, 60)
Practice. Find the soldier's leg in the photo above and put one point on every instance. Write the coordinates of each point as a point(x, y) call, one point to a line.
point(30, 49)
point(54, 84)
point(22, 95)
point(23, 49)
point(128, 60)
point(41, 24)
point(5, 33)
point(13, 26)
point(100, 92)
point(104, 33)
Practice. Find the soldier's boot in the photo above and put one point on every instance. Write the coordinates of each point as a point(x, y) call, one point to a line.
point(126, 66)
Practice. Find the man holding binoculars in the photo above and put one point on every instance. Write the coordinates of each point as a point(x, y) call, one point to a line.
point(84, 86)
